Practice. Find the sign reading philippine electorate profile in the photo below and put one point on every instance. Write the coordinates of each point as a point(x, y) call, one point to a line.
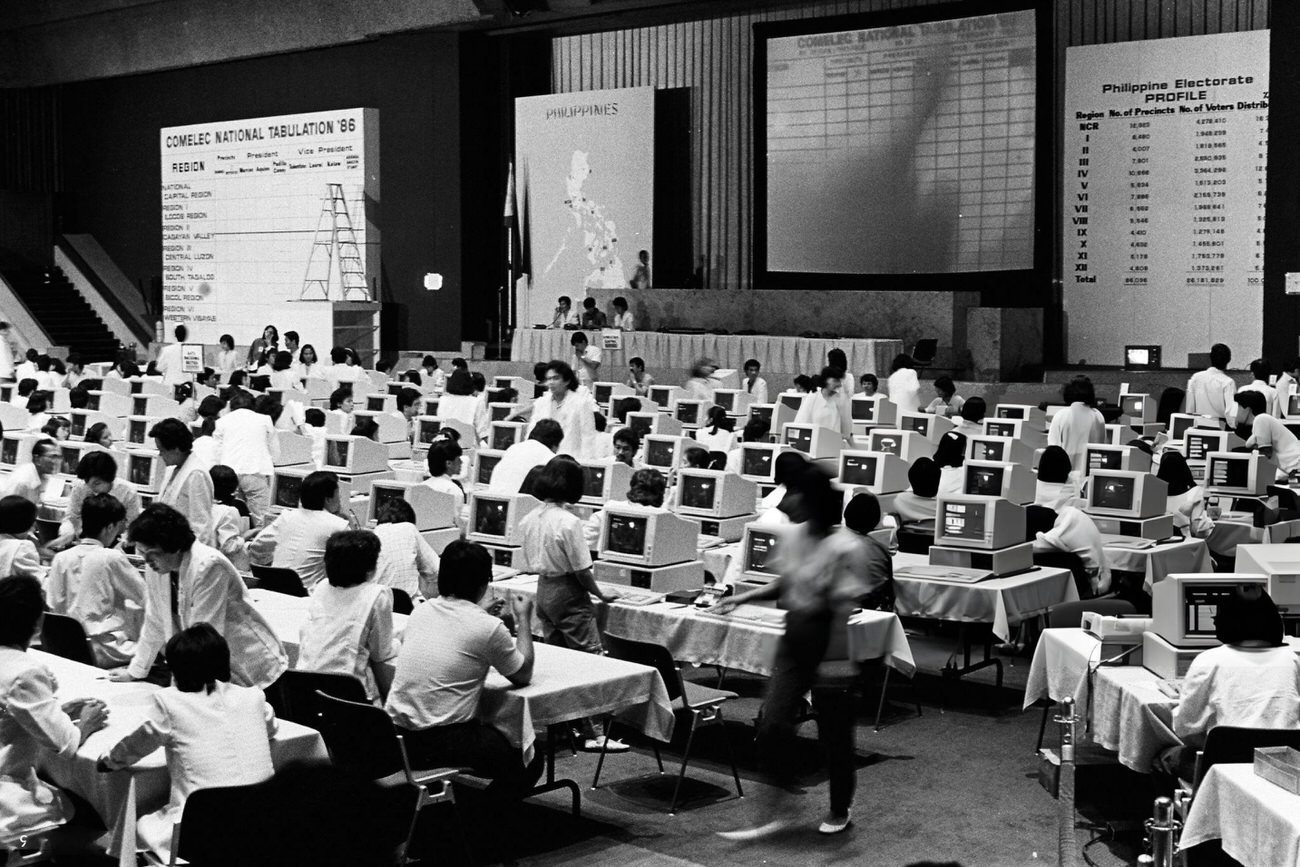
point(255, 210)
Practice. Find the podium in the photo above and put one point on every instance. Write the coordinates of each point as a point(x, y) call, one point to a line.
point(326, 324)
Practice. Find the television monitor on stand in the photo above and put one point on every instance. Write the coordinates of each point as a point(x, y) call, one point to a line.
point(1125, 503)
point(876, 409)
point(664, 453)
point(71, 454)
point(905, 444)
point(507, 433)
point(604, 392)
point(647, 538)
point(16, 449)
point(286, 487)
point(485, 461)
point(500, 411)
point(1138, 408)
point(145, 471)
point(137, 430)
point(349, 455)
point(1016, 429)
point(761, 410)
point(429, 426)
point(434, 510)
point(154, 405)
point(112, 404)
point(1032, 414)
point(714, 494)
point(1199, 443)
point(999, 450)
point(691, 413)
point(734, 401)
point(758, 461)
point(758, 547)
point(647, 423)
point(666, 395)
point(621, 405)
point(1183, 610)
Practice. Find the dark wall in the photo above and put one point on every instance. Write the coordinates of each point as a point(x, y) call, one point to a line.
point(111, 158)
point(1282, 212)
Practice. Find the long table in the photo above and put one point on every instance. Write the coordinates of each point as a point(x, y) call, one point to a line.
point(1257, 821)
point(778, 354)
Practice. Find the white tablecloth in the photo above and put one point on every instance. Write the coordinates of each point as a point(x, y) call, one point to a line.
point(286, 614)
point(1001, 602)
point(778, 354)
point(1229, 533)
point(1059, 669)
point(1189, 555)
point(1257, 822)
point(1131, 716)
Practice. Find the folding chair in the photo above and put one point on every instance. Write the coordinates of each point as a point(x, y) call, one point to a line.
point(65, 636)
point(279, 580)
point(298, 691)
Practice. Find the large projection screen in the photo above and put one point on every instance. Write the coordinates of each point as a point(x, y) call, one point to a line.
point(899, 149)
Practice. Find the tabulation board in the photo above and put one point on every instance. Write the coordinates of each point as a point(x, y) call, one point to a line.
point(247, 207)
point(1165, 152)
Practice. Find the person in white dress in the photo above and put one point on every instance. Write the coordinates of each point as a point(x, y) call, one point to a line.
point(308, 365)
point(573, 410)
point(1079, 424)
point(34, 724)
point(1058, 483)
point(214, 733)
point(903, 385)
point(719, 434)
point(18, 554)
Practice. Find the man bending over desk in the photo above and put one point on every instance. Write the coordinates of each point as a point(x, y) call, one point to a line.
point(450, 642)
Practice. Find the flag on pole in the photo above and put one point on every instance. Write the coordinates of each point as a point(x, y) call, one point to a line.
point(509, 216)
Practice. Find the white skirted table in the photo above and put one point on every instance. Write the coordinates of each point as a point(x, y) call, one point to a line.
point(1158, 561)
point(1257, 822)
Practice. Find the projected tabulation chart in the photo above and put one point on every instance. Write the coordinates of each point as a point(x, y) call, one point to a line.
point(1166, 153)
point(903, 149)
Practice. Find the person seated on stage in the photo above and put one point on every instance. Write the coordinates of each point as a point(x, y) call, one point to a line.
point(701, 383)
point(450, 644)
point(637, 379)
point(646, 492)
point(754, 384)
point(34, 724)
point(950, 458)
point(804, 384)
point(787, 465)
point(542, 444)
point(868, 384)
point(28, 481)
point(903, 386)
point(1251, 680)
point(918, 502)
point(970, 421)
point(592, 317)
point(1069, 529)
point(586, 357)
point(1079, 423)
point(406, 561)
point(296, 538)
point(718, 434)
point(1058, 481)
point(1260, 371)
point(627, 443)
point(444, 463)
point(565, 316)
point(1210, 391)
point(755, 431)
point(1186, 498)
point(94, 583)
point(18, 555)
point(437, 379)
point(202, 721)
point(1268, 435)
point(98, 474)
point(343, 368)
point(349, 625)
point(601, 447)
point(623, 319)
point(947, 403)
point(826, 407)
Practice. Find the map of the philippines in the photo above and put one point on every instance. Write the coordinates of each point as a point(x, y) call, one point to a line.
point(598, 234)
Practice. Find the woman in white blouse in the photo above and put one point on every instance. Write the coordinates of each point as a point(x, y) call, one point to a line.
point(719, 434)
point(903, 386)
point(1186, 498)
point(406, 561)
point(1079, 423)
point(18, 554)
point(308, 366)
point(574, 411)
point(227, 358)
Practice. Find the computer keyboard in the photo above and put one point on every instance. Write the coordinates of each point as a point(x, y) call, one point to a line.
point(631, 595)
point(955, 574)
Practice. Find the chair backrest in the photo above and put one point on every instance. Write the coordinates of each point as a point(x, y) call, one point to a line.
point(64, 636)
point(361, 737)
point(645, 653)
point(1235, 744)
point(925, 350)
point(915, 539)
point(1070, 561)
point(279, 580)
point(298, 689)
point(1171, 401)
point(1070, 614)
point(205, 830)
point(402, 603)
point(717, 460)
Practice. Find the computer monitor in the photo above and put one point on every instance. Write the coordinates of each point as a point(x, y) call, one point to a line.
point(1105, 457)
point(427, 427)
point(761, 410)
point(665, 395)
point(494, 518)
point(604, 392)
point(1199, 443)
point(999, 450)
point(621, 405)
point(663, 452)
point(506, 433)
point(1139, 408)
point(734, 401)
point(644, 538)
point(905, 444)
point(714, 494)
point(643, 424)
point(485, 461)
point(286, 486)
point(71, 454)
point(154, 405)
point(1183, 606)
point(1127, 494)
point(792, 400)
point(874, 409)
point(352, 455)
point(928, 425)
point(815, 441)
point(758, 546)
point(391, 429)
point(16, 448)
point(987, 523)
point(113, 404)
point(1145, 357)
point(1240, 474)
point(381, 403)
point(1011, 428)
point(1179, 422)
point(434, 510)
point(1036, 417)
point(82, 420)
point(1293, 405)
point(138, 427)
point(145, 470)
point(880, 472)
point(758, 461)
point(604, 481)
point(499, 411)
point(990, 479)
point(692, 413)
point(1281, 564)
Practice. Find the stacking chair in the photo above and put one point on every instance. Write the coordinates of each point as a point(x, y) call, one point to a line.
point(279, 580)
point(1237, 744)
point(402, 603)
point(64, 636)
point(298, 689)
point(703, 703)
point(362, 739)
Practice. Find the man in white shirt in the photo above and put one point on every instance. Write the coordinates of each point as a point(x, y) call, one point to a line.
point(754, 384)
point(246, 442)
point(169, 362)
point(1210, 391)
point(408, 407)
point(343, 371)
point(1288, 382)
point(586, 357)
point(825, 408)
point(296, 539)
point(27, 369)
point(623, 319)
point(1268, 435)
point(1260, 371)
point(509, 474)
point(565, 315)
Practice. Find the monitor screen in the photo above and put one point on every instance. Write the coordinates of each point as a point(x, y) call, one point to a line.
point(429, 429)
point(864, 410)
point(627, 534)
point(763, 412)
point(984, 450)
point(486, 464)
point(621, 406)
point(659, 453)
point(140, 467)
point(756, 462)
point(726, 400)
point(139, 405)
point(71, 457)
point(793, 401)
point(799, 437)
point(603, 393)
point(137, 431)
point(1178, 426)
point(640, 425)
point(1131, 404)
point(137, 386)
point(1293, 405)
point(1229, 472)
point(92, 384)
point(490, 516)
point(1113, 492)
point(661, 394)
point(984, 481)
point(1199, 445)
point(498, 413)
point(92, 402)
point(286, 491)
point(688, 412)
point(9, 452)
point(963, 520)
point(1000, 428)
point(78, 425)
point(496, 394)
point(593, 481)
point(336, 453)
point(382, 495)
point(259, 383)
point(858, 470)
point(888, 443)
point(1200, 605)
point(1105, 459)
point(762, 546)
point(502, 438)
point(698, 491)
point(375, 403)
point(918, 423)
point(1011, 412)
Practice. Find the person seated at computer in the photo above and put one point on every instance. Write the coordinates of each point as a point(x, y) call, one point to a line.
point(100, 434)
point(868, 385)
point(862, 516)
point(1260, 371)
point(341, 405)
point(1251, 680)
point(230, 517)
point(28, 481)
point(1058, 481)
point(950, 458)
point(627, 443)
point(701, 383)
point(94, 583)
point(563, 403)
point(49, 377)
point(755, 431)
point(444, 462)
point(365, 427)
point(947, 402)
point(434, 377)
point(645, 492)
point(343, 369)
point(1186, 498)
point(637, 379)
point(1268, 435)
point(78, 397)
point(1079, 423)
point(592, 316)
point(22, 393)
point(459, 403)
point(37, 412)
point(406, 561)
point(408, 407)
point(296, 538)
point(918, 502)
point(98, 474)
point(1210, 391)
point(903, 386)
point(753, 384)
point(542, 444)
point(787, 464)
point(308, 366)
point(450, 644)
point(1069, 529)
point(719, 432)
point(565, 316)
point(349, 625)
point(623, 319)
point(35, 724)
point(57, 429)
point(27, 368)
point(202, 721)
point(18, 554)
point(282, 374)
point(1286, 384)
point(601, 447)
point(826, 407)
point(970, 419)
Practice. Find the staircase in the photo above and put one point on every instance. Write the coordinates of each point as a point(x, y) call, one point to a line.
point(63, 313)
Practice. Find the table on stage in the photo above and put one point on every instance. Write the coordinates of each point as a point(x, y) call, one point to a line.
point(1158, 561)
point(118, 797)
point(660, 350)
point(1257, 822)
point(698, 638)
